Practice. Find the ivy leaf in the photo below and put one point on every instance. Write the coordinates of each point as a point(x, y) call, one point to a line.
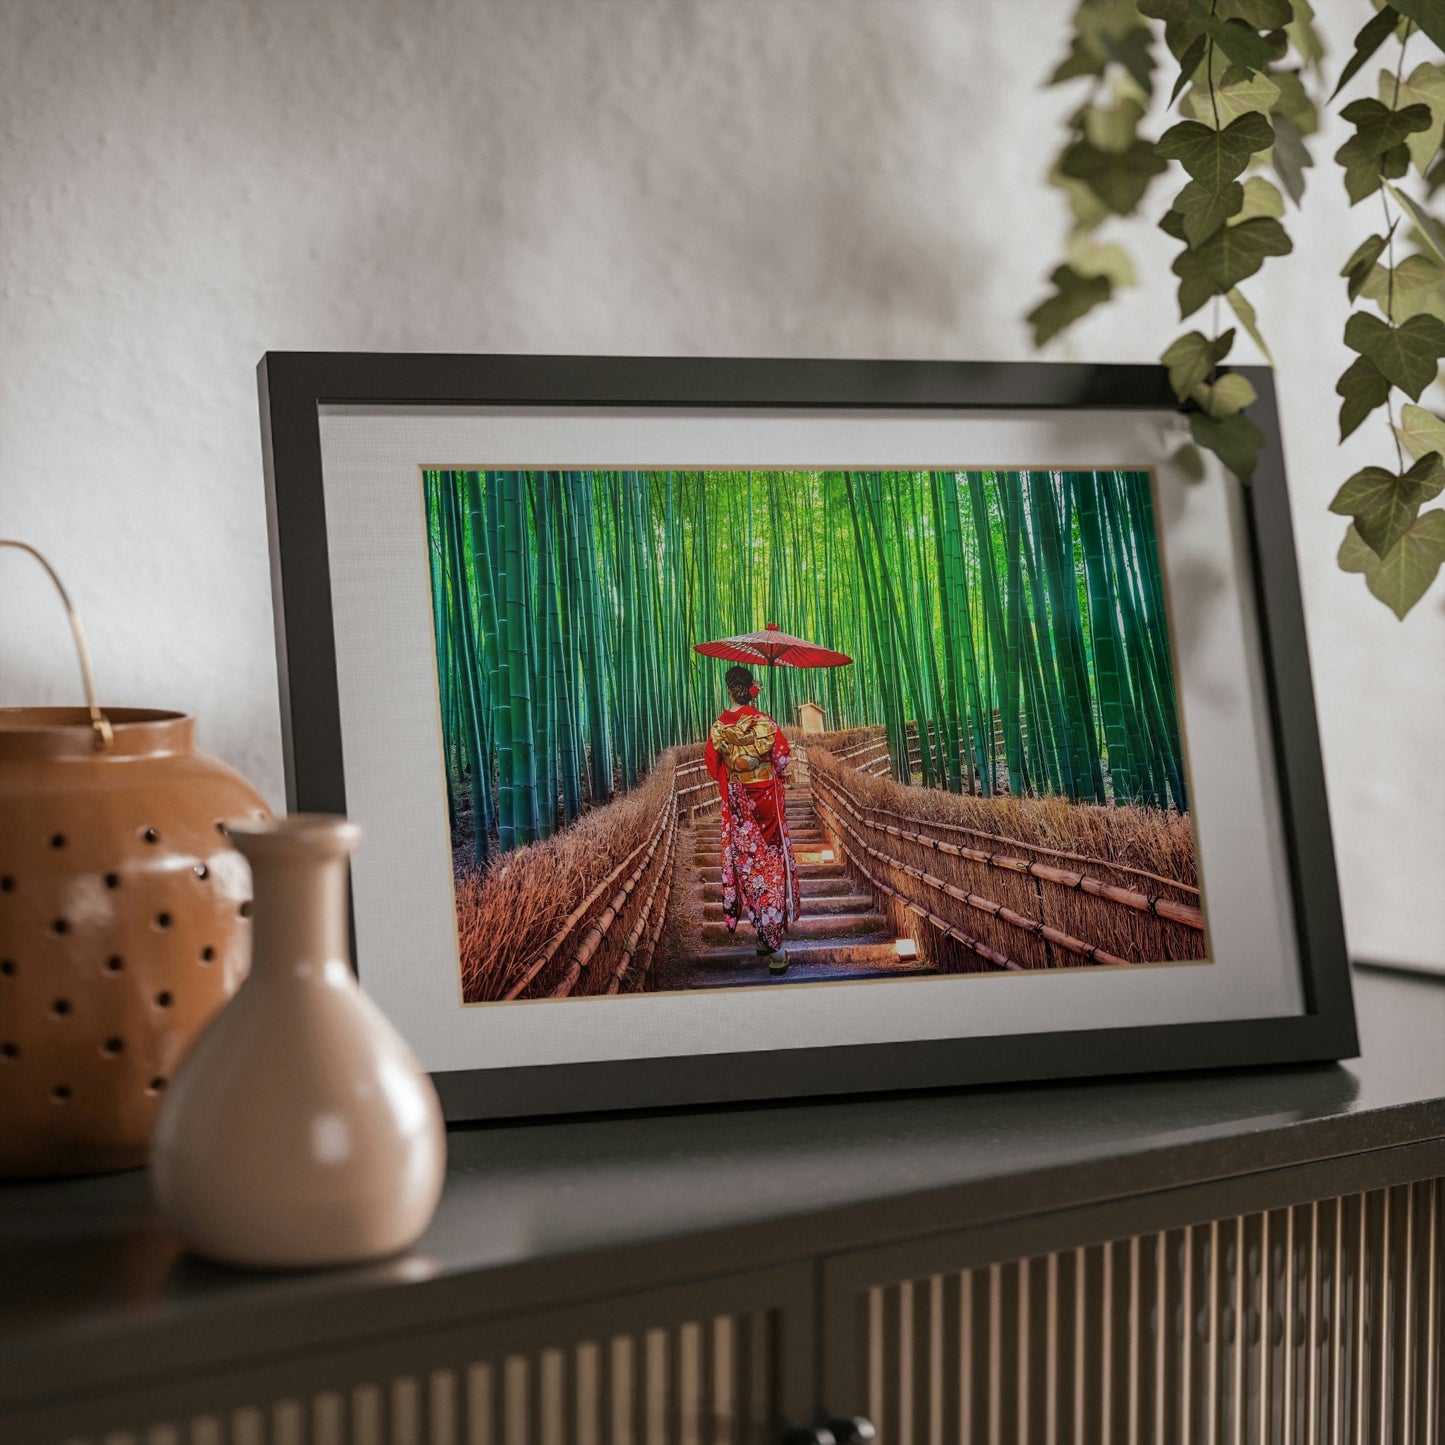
point(1230, 255)
point(1294, 101)
point(1235, 440)
point(1377, 149)
point(1226, 396)
point(1425, 223)
point(1089, 258)
point(1435, 176)
point(1182, 29)
point(1238, 39)
point(1261, 199)
point(1429, 15)
point(1291, 157)
point(1084, 58)
point(1238, 92)
point(1203, 211)
point(1172, 224)
point(1425, 86)
point(1420, 431)
point(1192, 357)
point(1189, 62)
point(1364, 179)
point(1356, 554)
point(1088, 211)
point(1134, 52)
point(1372, 36)
point(1407, 355)
point(1118, 178)
point(1418, 288)
point(1216, 157)
point(1075, 296)
point(1378, 128)
point(1305, 38)
point(1362, 261)
point(1239, 304)
point(1384, 505)
point(1403, 576)
point(1363, 388)
point(1113, 128)
point(1262, 14)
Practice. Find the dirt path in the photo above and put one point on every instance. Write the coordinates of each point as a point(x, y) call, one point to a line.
point(840, 935)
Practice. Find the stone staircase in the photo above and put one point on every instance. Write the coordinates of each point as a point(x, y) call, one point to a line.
point(841, 935)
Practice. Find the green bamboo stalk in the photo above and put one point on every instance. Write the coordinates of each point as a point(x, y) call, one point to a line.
point(465, 654)
point(431, 487)
point(594, 653)
point(549, 647)
point(523, 778)
point(1109, 680)
point(1003, 663)
point(569, 721)
point(885, 657)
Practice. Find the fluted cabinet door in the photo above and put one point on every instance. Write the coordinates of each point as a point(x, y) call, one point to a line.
point(1309, 1324)
point(722, 1362)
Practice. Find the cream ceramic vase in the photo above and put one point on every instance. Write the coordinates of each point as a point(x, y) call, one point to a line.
point(299, 1130)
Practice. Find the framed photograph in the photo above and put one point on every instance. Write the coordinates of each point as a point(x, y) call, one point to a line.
point(730, 729)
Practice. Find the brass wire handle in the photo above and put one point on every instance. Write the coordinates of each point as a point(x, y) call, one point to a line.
point(104, 736)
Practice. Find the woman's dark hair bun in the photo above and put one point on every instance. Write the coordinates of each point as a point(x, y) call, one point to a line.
point(738, 680)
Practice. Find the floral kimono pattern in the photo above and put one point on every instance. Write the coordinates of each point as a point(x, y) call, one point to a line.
point(748, 755)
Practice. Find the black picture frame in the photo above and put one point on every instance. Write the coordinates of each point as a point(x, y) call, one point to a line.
point(295, 385)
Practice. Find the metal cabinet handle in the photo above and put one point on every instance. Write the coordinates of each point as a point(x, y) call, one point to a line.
point(854, 1430)
point(840, 1430)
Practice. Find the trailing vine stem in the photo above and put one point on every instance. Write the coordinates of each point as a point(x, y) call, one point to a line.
point(1390, 223)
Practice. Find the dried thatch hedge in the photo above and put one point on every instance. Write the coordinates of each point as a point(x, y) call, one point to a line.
point(507, 915)
point(1021, 848)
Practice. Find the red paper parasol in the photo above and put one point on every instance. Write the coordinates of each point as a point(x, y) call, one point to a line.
point(774, 648)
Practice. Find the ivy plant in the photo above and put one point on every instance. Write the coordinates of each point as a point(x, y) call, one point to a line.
point(1243, 73)
point(1395, 538)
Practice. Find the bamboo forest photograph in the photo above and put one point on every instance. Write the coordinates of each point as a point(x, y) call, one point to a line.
point(711, 729)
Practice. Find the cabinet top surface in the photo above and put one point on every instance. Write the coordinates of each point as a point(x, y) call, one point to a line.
point(530, 1206)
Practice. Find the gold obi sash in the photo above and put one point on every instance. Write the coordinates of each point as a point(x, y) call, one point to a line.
point(746, 748)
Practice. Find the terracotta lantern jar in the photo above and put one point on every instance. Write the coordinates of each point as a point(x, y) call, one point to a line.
point(124, 918)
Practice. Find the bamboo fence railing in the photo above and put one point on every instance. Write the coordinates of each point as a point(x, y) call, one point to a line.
point(606, 943)
point(994, 901)
point(696, 790)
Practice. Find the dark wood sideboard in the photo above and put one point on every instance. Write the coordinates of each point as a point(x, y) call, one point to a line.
point(1246, 1256)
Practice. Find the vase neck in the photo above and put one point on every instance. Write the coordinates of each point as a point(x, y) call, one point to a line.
point(299, 876)
point(299, 912)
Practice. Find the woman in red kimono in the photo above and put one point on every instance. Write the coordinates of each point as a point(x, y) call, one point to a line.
point(748, 755)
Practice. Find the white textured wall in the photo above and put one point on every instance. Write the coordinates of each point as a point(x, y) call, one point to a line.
point(185, 185)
